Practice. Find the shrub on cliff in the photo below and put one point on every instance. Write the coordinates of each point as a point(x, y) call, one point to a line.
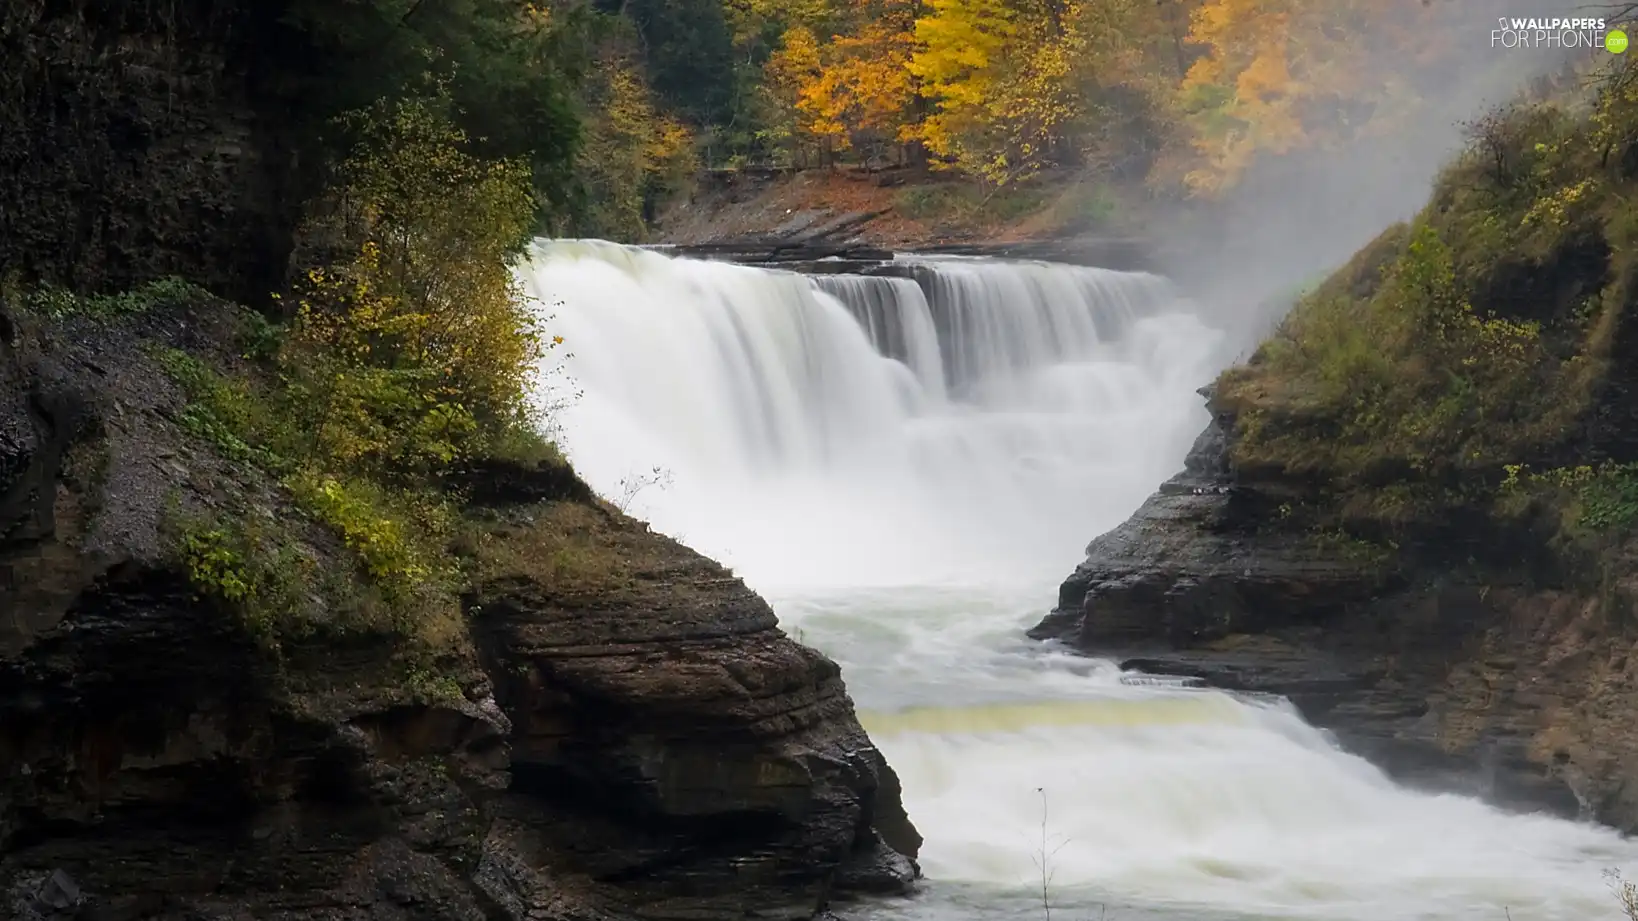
point(416, 352)
point(1476, 338)
point(1412, 375)
point(408, 354)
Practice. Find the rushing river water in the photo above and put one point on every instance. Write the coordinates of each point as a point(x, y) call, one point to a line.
point(906, 471)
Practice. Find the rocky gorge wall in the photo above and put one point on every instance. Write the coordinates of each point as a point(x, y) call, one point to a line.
point(1415, 510)
point(1462, 675)
point(633, 739)
point(139, 140)
point(616, 727)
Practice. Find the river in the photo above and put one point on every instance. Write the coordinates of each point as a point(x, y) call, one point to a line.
point(906, 471)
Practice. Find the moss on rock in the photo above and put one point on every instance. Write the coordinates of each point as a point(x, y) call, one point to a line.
point(1475, 341)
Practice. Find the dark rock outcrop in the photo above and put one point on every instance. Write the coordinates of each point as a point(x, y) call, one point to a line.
point(1187, 569)
point(1469, 678)
point(136, 141)
point(826, 249)
point(643, 744)
point(671, 745)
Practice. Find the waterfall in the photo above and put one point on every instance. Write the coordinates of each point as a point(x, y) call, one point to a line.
point(974, 415)
point(906, 463)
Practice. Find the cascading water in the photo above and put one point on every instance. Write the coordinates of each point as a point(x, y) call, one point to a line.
point(905, 467)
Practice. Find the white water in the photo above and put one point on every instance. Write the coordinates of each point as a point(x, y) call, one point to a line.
point(907, 480)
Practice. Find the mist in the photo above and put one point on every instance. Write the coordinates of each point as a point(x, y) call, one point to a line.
point(1295, 218)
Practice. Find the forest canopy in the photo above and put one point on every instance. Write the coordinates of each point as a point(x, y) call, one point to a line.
point(616, 103)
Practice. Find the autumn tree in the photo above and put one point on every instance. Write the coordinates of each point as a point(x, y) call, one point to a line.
point(418, 349)
point(1126, 73)
point(854, 91)
point(763, 123)
point(998, 76)
point(1282, 75)
point(634, 155)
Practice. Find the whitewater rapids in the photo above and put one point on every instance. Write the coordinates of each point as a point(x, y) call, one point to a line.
point(906, 467)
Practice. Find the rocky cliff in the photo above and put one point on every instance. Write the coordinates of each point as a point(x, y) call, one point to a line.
point(1467, 678)
point(139, 140)
point(1415, 510)
point(617, 729)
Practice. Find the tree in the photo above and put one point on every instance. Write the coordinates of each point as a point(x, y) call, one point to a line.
point(689, 55)
point(857, 89)
point(634, 153)
point(418, 350)
point(1001, 81)
point(1282, 75)
point(510, 67)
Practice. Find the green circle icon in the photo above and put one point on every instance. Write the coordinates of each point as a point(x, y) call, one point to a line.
point(1616, 41)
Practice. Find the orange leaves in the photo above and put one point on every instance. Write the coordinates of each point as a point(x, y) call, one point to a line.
point(1275, 74)
point(868, 83)
point(798, 69)
point(1196, 90)
point(859, 82)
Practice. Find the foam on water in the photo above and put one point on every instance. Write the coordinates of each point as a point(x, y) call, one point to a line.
point(906, 467)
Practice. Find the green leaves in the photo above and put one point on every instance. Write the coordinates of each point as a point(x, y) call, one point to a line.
point(58, 303)
point(408, 357)
point(509, 72)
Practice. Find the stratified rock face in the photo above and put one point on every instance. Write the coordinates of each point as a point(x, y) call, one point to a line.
point(131, 146)
point(728, 771)
point(669, 753)
point(1189, 567)
point(154, 761)
point(1464, 679)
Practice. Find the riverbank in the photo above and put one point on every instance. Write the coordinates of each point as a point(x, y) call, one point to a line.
point(1413, 510)
point(602, 686)
point(896, 208)
point(301, 615)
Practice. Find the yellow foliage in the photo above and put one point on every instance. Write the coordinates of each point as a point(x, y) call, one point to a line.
point(429, 301)
point(398, 547)
point(793, 70)
point(631, 150)
point(1003, 82)
point(1278, 75)
point(962, 49)
point(1006, 87)
point(863, 83)
point(854, 87)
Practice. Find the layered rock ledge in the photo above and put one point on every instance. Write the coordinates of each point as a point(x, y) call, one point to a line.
point(1466, 676)
point(623, 732)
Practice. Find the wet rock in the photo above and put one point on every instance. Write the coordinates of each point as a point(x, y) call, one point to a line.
point(1469, 679)
point(783, 253)
point(135, 142)
point(1121, 253)
point(1191, 567)
point(634, 738)
point(877, 868)
point(725, 757)
point(44, 897)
